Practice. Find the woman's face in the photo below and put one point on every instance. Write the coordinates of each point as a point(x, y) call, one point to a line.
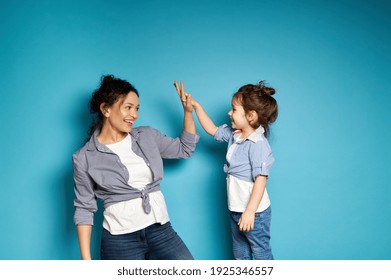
point(123, 113)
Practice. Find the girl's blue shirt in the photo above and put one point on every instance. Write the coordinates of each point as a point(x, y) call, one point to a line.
point(251, 157)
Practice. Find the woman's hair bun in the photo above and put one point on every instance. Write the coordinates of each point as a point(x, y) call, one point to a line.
point(107, 78)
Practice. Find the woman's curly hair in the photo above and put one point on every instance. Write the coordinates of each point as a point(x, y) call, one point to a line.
point(109, 91)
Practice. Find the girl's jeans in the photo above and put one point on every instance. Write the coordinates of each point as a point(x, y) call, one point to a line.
point(253, 244)
point(156, 242)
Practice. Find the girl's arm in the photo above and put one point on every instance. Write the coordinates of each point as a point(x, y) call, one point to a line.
point(84, 235)
point(206, 123)
point(246, 221)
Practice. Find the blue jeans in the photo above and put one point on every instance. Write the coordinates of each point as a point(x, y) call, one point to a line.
point(155, 242)
point(255, 243)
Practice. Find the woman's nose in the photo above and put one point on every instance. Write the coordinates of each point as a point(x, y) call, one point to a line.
point(133, 113)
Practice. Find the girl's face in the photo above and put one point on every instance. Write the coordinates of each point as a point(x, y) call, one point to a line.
point(123, 113)
point(238, 116)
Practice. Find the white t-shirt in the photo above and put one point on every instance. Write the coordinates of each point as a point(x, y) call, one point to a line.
point(129, 216)
point(239, 192)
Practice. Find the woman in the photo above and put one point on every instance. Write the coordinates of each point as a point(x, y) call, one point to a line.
point(122, 165)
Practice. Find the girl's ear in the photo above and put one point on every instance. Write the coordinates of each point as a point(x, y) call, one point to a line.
point(105, 109)
point(252, 117)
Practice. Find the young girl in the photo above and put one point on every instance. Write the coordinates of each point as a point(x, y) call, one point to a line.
point(249, 159)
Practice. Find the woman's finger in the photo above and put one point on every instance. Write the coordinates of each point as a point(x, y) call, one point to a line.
point(177, 88)
point(183, 93)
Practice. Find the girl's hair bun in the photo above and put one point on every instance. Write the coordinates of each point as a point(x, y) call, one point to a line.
point(265, 89)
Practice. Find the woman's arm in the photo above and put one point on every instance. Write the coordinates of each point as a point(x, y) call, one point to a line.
point(85, 203)
point(84, 235)
point(246, 221)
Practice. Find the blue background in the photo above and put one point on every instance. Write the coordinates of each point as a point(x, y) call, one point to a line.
point(330, 62)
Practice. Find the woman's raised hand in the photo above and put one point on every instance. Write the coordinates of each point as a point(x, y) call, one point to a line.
point(185, 97)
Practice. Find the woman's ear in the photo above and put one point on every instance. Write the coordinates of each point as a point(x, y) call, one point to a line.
point(105, 110)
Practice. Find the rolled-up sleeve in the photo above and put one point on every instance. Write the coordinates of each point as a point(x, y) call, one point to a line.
point(85, 202)
point(261, 158)
point(223, 133)
point(173, 148)
point(189, 142)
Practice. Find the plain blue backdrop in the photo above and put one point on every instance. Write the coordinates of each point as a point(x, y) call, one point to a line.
point(330, 62)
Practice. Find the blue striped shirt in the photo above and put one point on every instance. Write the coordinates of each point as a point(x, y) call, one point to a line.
point(99, 173)
point(250, 158)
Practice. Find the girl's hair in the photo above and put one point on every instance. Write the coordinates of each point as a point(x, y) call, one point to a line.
point(258, 98)
point(110, 91)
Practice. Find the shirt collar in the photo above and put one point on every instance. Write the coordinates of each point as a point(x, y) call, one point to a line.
point(254, 137)
point(135, 133)
point(93, 143)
